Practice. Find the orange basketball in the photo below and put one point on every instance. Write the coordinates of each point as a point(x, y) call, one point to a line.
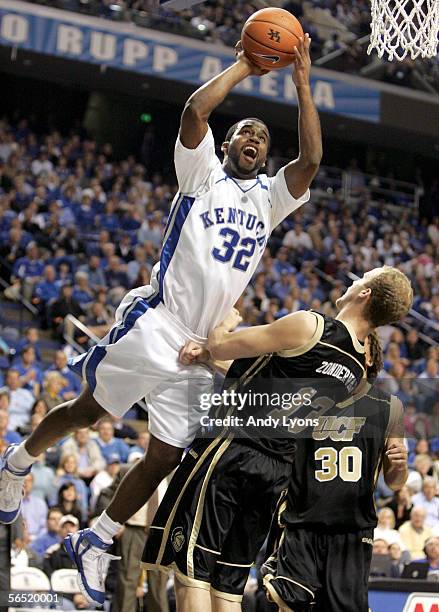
point(269, 37)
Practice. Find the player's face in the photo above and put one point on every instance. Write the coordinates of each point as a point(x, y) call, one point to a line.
point(356, 288)
point(247, 149)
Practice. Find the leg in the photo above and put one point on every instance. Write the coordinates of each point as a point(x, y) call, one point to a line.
point(191, 599)
point(63, 420)
point(131, 546)
point(222, 605)
point(143, 478)
point(17, 459)
point(156, 598)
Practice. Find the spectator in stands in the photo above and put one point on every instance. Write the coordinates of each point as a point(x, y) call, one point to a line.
point(9, 435)
point(73, 387)
point(413, 344)
point(20, 400)
point(51, 535)
point(67, 471)
point(428, 499)
point(63, 306)
point(33, 509)
point(56, 556)
point(31, 375)
point(401, 505)
point(40, 407)
point(297, 239)
point(26, 273)
point(44, 478)
point(31, 338)
point(46, 291)
point(431, 549)
point(87, 451)
point(96, 276)
point(414, 533)
point(98, 320)
point(42, 163)
point(108, 443)
point(82, 292)
point(53, 385)
point(104, 478)
point(398, 559)
point(422, 468)
point(142, 443)
point(434, 421)
point(67, 500)
point(385, 529)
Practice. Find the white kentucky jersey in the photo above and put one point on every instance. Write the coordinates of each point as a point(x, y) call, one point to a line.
point(216, 233)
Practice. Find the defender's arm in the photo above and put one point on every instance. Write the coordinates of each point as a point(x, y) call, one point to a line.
point(290, 332)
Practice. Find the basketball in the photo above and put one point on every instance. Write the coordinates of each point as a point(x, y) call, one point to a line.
point(269, 37)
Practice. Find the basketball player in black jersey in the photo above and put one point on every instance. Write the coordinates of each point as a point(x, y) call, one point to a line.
point(216, 513)
point(322, 535)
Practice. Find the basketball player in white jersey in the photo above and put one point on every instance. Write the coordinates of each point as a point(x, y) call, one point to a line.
point(217, 230)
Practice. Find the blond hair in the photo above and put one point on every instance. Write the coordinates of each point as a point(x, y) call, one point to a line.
point(391, 299)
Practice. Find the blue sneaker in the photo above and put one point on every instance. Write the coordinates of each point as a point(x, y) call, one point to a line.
point(11, 488)
point(87, 551)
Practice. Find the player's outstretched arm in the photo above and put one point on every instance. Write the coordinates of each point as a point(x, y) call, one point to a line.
point(290, 332)
point(300, 172)
point(395, 467)
point(193, 126)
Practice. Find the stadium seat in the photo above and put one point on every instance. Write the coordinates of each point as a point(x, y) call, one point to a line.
point(65, 581)
point(29, 579)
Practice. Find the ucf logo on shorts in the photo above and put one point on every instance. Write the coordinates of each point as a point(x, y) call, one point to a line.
point(177, 539)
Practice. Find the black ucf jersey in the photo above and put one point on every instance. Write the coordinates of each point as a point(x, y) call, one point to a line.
point(279, 394)
point(335, 469)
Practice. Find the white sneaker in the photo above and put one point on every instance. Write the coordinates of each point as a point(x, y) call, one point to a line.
point(87, 551)
point(11, 488)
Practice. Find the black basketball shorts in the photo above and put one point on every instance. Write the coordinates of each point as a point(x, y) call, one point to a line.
point(216, 515)
point(320, 571)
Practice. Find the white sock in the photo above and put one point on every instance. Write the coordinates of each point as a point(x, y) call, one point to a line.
point(20, 459)
point(106, 528)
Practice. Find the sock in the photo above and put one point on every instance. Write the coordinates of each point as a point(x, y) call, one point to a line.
point(20, 459)
point(106, 528)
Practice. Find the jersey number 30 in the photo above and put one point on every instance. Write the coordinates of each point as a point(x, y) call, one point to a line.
point(346, 463)
point(227, 250)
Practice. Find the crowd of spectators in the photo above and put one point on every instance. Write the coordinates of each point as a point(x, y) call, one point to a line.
point(79, 228)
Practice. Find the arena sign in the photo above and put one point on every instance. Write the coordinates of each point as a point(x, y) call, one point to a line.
point(395, 601)
point(422, 602)
point(128, 47)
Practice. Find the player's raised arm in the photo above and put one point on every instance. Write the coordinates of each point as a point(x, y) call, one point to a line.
point(193, 126)
point(395, 452)
point(300, 172)
point(290, 332)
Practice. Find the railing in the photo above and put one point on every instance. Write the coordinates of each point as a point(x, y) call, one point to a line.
point(71, 324)
point(23, 301)
point(352, 182)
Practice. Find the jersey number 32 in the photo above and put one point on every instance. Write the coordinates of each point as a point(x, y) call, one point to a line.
point(228, 250)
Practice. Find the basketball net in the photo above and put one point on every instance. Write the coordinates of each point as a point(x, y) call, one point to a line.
point(404, 27)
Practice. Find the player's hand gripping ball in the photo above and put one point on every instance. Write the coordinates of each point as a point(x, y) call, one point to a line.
point(270, 36)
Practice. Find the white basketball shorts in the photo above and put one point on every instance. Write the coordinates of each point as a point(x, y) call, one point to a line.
point(139, 358)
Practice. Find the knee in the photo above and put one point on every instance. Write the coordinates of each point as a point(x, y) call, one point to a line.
point(85, 411)
point(162, 457)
